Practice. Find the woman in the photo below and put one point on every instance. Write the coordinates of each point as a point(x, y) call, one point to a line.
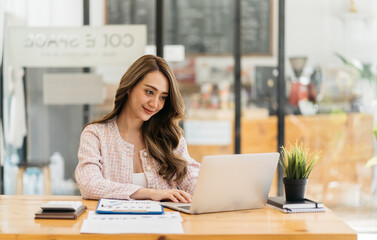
point(137, 151)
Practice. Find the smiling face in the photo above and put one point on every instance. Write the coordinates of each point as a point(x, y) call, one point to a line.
point(148, 96)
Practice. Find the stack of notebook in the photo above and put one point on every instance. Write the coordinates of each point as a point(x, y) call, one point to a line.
point(60, 210)
point(304, 206)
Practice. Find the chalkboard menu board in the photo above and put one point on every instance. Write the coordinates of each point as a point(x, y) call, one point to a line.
point(202, 26)
point(133, 12)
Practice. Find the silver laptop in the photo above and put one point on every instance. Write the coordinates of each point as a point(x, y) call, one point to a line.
point(231, 182)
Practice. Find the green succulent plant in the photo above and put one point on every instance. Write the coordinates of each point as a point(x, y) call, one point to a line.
point(297, 161)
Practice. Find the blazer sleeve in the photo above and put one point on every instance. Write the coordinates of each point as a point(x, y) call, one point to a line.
point(89, 171)
point(189, 182)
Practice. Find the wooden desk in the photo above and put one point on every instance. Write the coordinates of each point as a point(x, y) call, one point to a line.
point(17, 222)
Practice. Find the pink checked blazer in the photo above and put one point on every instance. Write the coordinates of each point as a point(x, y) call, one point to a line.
point(105, 165)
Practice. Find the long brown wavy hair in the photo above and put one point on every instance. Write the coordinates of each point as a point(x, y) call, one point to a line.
point(161, 133)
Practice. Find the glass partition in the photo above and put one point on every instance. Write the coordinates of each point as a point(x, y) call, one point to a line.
point(331, 93)
point(205, 75)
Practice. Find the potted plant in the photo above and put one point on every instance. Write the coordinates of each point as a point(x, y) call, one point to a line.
point(297, 163)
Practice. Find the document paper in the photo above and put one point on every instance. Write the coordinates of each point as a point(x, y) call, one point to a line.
point(168, 223)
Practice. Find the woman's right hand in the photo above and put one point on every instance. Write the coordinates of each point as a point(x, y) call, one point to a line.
point(173, 195)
